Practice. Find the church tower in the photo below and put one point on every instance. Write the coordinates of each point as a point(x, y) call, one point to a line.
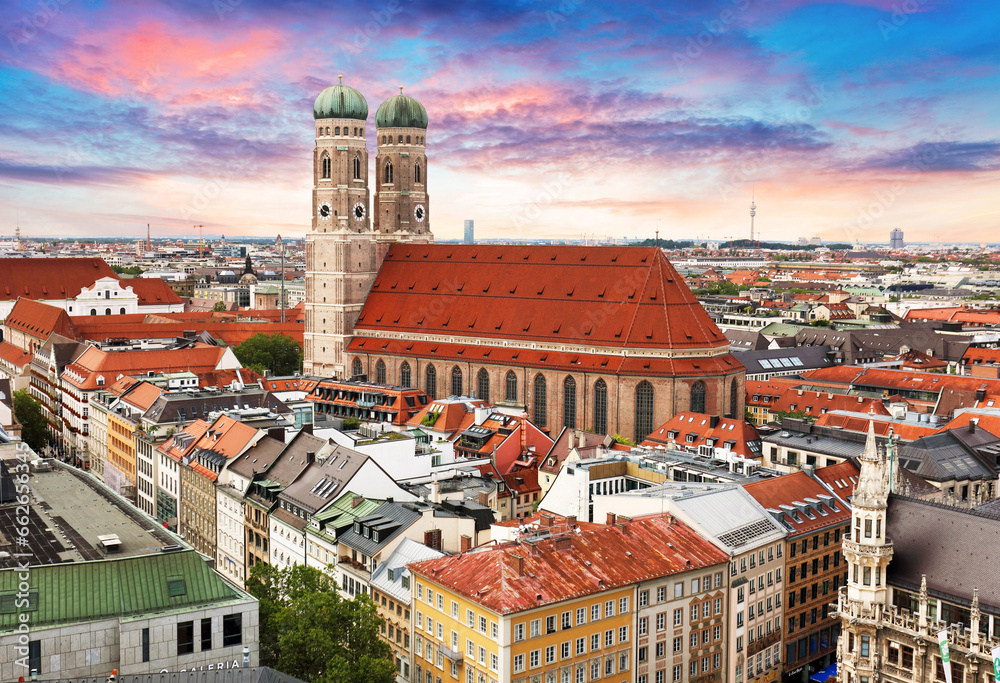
point(867, 553)
point(402, 209)
point(340, 251)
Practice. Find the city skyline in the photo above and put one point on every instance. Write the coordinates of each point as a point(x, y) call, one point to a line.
point(546, 120)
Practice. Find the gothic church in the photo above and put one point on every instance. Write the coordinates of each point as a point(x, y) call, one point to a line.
point(608, 339)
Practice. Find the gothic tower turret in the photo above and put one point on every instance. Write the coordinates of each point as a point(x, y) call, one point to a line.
point(867, 553)
point(402, 207)
point(340, 251)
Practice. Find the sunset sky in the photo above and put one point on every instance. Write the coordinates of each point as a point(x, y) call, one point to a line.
point(548, 119)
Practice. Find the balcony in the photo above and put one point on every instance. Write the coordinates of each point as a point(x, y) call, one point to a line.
point(449, 654)
point(357, 568)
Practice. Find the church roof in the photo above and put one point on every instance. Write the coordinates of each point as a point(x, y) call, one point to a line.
point(621, 297)
point(50, 278)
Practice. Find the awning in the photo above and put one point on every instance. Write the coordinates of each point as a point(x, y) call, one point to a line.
point(824, 675)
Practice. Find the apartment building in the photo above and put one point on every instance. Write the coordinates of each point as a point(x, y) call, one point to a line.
point(559, 604)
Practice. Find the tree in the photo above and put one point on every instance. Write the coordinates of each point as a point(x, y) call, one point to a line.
point(219, 307)
point(277, 353)
point(34, 426)
point(308, 631)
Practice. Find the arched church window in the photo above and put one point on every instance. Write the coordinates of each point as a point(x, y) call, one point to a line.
point(380, 372)
point(356, 368)
point(734, 398)
point(456, 381)
point(328, 130)
point(483, 385)
point(643, 410)
point(416, 174)
point(600, 407)
point(569, 403)
point(355, 131)
point(407, 139)
point(326, 165)
point(430, 381)
point(357, 168)
point(93, 311)
point(336, 131)
point(383, 139)
point(697, 397)
point(107, 311)
point(122, 311)
point(404, 374)
point(510, 387)
point(362, 132)
point(387, 175)
point(540, 400)
point(400, 139)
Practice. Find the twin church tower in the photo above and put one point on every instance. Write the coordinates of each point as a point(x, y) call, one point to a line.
point(350, 236)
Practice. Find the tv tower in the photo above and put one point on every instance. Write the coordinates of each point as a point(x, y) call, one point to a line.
point(753, 212)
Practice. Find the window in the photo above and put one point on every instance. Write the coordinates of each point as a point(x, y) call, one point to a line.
point(357, 368)
point(206, 634)
point(145, 644)
point(550, 624)
point(357, 168)
point(569, 403)
point(595, 612)
point(581, 646)
point(185, 637)
point(697, 397)
point(661, 593)
point(510, 387)
point(483, 385)
point(661, 621)
point(540, 420)
point(518, 662)
point(609, 608)
point(734, 393)
point(380, 372)
point(622, 605)
point(456, 381)
point(643, 626)
point(430, 381)
point(470, 617)
point(600, 407)
point(678, 617)
point(326, 166)
point(581, 615)
point(518, 633)
point(536, 627)
point(643, 598)
point(387, 172)
point(416, 173)
point(534, 658)
point(678, 590)
point(643, 410)
point(232, 630)
point(404, 375)
point(678, 644)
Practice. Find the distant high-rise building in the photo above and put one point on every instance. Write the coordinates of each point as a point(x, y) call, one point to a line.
point(816, 241)
point(896, 239)
point(470, 234)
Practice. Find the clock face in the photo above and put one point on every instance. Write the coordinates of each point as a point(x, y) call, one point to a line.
point(324, 211)
point(359, 211)
point(419, 213)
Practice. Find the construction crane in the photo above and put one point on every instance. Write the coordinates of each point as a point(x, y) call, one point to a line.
point(201, 241)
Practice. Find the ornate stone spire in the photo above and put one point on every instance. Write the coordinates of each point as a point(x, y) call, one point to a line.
point(873, 482)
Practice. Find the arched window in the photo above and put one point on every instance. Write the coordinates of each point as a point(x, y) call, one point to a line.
point(387, 175)
point(643, 410)
point(407, 139)
point(697, 397)
point(431, 382)
point(456, 381)
point(404, 375)
point(122, 311)
point(510, 387)
point(356, 368)
point(400, 139)
point(734, 398)
point(569, 403)
point(336, 131)
point(357, 168)
point(326, 165)
point(483, 385)
point(383, 139)
point(600, 407)
point(328, 130)
point(416, 173)
point(107, 311)
point(93, 311)
point(540, 397)
point(380, 372)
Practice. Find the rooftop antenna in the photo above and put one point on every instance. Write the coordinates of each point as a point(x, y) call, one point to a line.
point(753, 212)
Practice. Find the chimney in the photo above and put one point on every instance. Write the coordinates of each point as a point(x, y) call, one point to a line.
point(517, 563)
point(611, 518)
point(356, 501)
point(564, 542)
point(466, 543)
point(435, 492)
point(571, 521)
point(310, 456)
point(307, 428)
point(972, 426)
point(713, 421)
point(545, 520)
point(484, 498)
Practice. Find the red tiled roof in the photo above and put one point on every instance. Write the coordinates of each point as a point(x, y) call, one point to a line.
point(991, 423)
point(522, 481)
point(624, 297)
point(94, 362)
point(171, 448)
point(575, 565)
point(841, 478)
point(50, 278)
point(976, 355)
point(577, 362)
point(163, 325)
point(152, 291)
point(203, 471)
point(38, 319)
point(900, 380)
point(727, 429)
point(789, 489)
point(227, 437)
point(859, 425)
point(14, 355)
point(142, 395)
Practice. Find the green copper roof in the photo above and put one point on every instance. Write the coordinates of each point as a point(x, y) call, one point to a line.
point(340, 102)
point(129, 587)
point(401, 112)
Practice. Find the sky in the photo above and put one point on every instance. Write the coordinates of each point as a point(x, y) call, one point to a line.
point(548, 119)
